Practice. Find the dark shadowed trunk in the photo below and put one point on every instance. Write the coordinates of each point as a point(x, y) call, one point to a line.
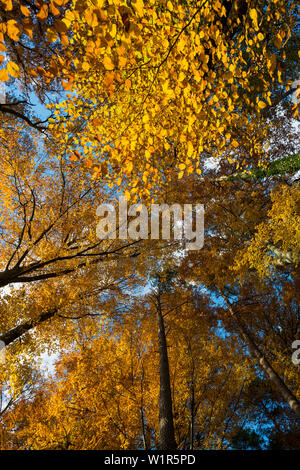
point(166, 425)
point(275, 379)
point(192, 423)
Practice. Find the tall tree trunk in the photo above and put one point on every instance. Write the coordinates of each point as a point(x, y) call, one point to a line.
point(166, 426)
point(192, 416)
point(275, 379)
point(142, 411)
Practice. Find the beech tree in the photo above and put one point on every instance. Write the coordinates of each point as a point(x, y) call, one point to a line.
point(167, 102)
point(106, 389)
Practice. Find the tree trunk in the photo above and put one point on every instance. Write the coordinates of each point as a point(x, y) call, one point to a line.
point(142, 411)
point(275, 379)
point(166, 426)
point(192, 416)
point(15, 333)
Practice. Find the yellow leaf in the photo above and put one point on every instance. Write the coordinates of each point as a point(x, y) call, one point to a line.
point(91, 17)
point(51, 35)
point(253, 16)
point(139, 6)
point(129, 167)
point(69, 15)
point(190, 149)
point(13, 69)
point(261, 105)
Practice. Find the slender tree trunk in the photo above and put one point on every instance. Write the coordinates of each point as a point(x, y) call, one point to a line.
point(166, 426)
point(192, 416)
point(275, 379)
point(142, 411)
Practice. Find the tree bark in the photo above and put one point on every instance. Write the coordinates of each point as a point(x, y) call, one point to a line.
point(142, 411)
point(166, 426)
point(15, 333)
point(275, 379)
point(192, 416)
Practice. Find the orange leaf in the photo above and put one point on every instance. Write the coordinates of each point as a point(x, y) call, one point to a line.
point(14, 30)
point(55, 11)
point(3, 75)
point(67, 85)
point(43, 13)
point(25, 10)
point(64, 39)
point(108, 64)
point(8, 5)
point(28, 27)
point(75, 156)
